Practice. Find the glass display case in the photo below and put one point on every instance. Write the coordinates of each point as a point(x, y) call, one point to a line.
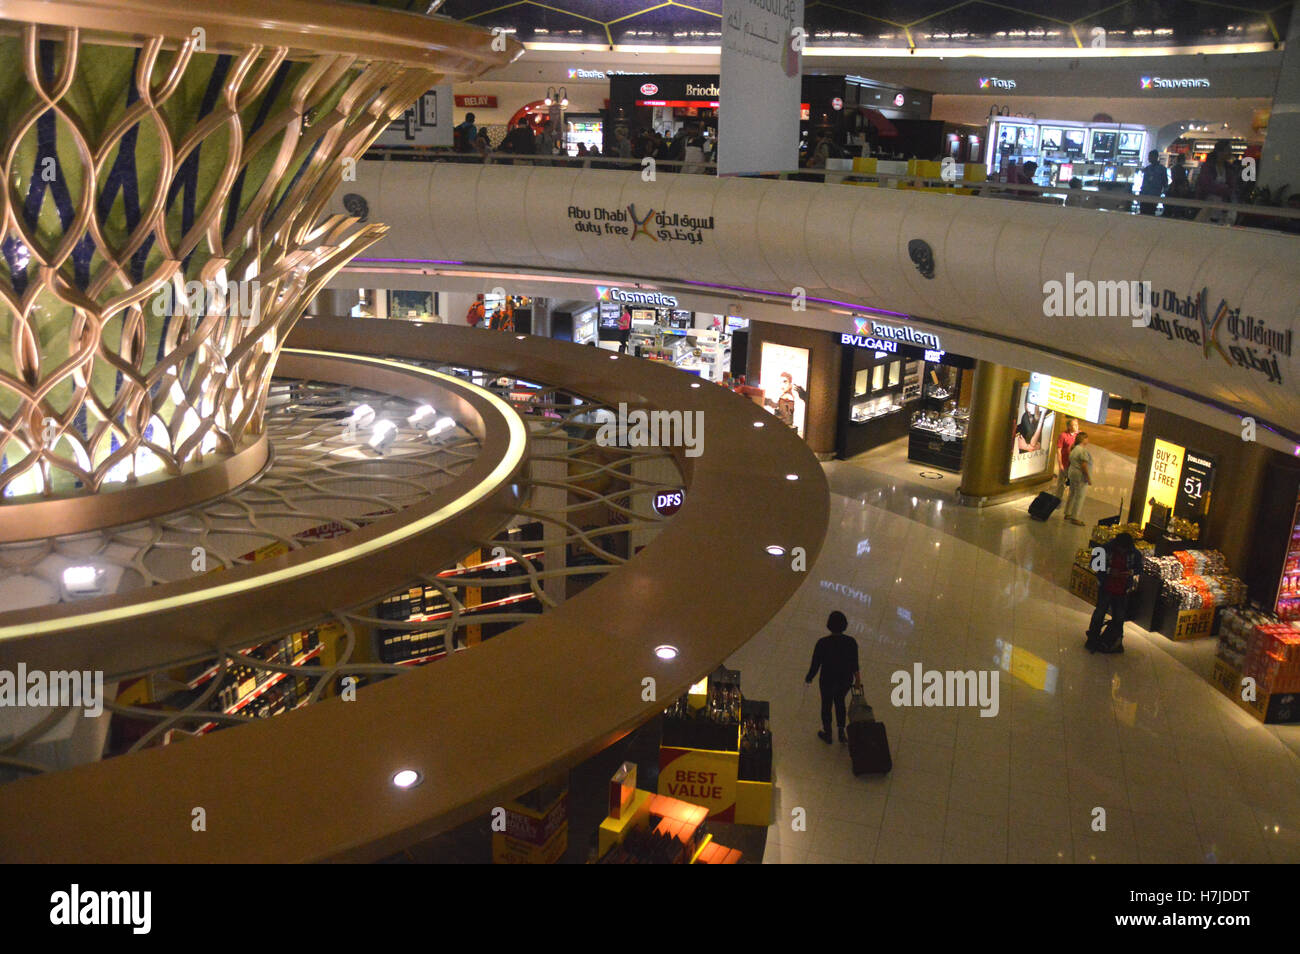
point(938, 438)
point(872, 408)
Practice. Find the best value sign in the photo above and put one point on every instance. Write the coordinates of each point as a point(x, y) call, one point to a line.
point(701, 777)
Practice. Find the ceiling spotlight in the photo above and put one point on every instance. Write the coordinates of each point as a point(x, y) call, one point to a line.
point(422, 413)
point(791, 476)
point(775, 550)
point(385, 433)
point(666, 653)
point(695, 384)
point(82, 581)
point(407, 778)
point(362, 416)
point(758, 423)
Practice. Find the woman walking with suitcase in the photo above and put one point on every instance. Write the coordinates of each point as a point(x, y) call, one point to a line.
point(836, 656)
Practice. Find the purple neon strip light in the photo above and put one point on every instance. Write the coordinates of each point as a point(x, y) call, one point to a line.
point(852, 306)
point(408, 261)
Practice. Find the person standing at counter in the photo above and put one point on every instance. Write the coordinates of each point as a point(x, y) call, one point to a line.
point(836, 657)
point(1080, 475)
point(1155, 180)
point(1065, 444)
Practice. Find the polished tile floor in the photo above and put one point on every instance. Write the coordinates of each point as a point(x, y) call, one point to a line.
point(1181, 774)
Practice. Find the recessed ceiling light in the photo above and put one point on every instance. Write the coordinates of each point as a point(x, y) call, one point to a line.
point(758, 423)
point(776, 550)
point(520, 337)
point(666, 652)
point(613, 357)
point(791, 476)
point(407, 778)
point(695, 384)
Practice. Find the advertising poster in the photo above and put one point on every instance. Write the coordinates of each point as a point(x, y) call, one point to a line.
point(1163, 477)
point(428, 122)
point(1031, 440)
point(783, 375)
point(759, 86)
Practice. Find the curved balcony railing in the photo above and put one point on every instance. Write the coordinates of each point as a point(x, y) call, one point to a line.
point(1238, 214)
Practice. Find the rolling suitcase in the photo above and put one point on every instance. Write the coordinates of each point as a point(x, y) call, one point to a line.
point(1043, 506)
point(868, 742)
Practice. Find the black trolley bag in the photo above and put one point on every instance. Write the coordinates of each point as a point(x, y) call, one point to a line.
point(868, 743)
point(1044, 505)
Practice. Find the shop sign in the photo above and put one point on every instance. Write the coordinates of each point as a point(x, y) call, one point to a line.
point(1184, 82)
point(866, 341)
point(576, 73)
point(669, 502)
point(621, 296)
point(1254, 345)
point(1076, 400)
point(899, 99)
point(869, 328)
point(481, 101)
point(992, 82)
point(837, 103)
point(649, 89)
point(658, 225)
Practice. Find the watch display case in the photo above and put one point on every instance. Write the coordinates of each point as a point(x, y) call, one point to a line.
point(938, 438)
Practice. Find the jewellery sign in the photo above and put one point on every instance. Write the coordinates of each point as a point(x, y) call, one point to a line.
point(658, 225)
point(1240, 340)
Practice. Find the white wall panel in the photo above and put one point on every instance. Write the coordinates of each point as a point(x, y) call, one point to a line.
point(992, 256)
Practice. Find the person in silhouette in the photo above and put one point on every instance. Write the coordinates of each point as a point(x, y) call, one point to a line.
point(836, 657)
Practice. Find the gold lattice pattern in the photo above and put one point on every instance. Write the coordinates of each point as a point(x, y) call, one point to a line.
point(162, 230)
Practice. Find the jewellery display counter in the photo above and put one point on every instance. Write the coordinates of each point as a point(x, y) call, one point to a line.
point(875, 390)
point(938, 438)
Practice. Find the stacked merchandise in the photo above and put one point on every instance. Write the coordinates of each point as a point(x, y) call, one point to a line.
point(1236, 629)
point(1273, 657)
point(1288, 588)
point(1183, 528)
point(713, 726)
point(1202, 580)
point(674, 835)
point(1104, 533)
point(1254, 644)
point(755, 742)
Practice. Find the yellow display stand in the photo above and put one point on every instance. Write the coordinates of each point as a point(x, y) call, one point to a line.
point(533, 835)
point(710, 777)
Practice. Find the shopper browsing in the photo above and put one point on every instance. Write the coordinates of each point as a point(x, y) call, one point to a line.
point(1155, 180)
point(836, 657)
point(1115, 582)
point(1065, 444)
point(1080, 475)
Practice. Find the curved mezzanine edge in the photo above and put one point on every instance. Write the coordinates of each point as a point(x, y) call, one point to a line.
point(483, 725)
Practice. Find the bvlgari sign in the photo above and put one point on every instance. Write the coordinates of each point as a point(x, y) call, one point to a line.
point(1241, 340)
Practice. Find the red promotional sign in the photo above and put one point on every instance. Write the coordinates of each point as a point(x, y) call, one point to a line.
point(649, 89)
point(481, 101)
point(837, 103)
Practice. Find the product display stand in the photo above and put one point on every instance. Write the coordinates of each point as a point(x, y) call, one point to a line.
point(1256, 645)
point(645, 828)
point(717, 752)
point(536, 827)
